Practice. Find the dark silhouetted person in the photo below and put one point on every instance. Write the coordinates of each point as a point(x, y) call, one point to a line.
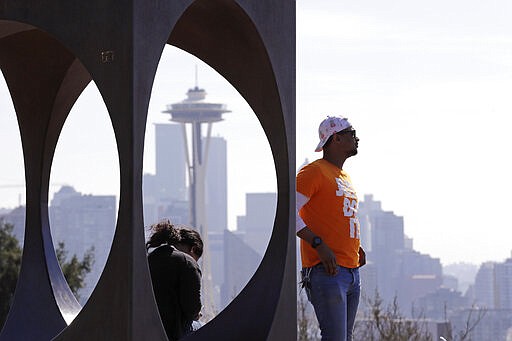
point(176, 276)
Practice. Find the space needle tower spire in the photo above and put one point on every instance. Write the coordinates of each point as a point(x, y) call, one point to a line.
point(196, 112)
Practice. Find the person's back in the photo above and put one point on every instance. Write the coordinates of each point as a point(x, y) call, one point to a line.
point(176, 282)
point(175, 276)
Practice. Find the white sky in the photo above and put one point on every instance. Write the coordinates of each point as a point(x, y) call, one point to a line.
point(426, 84)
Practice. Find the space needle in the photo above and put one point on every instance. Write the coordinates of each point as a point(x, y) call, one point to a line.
point(196, 112)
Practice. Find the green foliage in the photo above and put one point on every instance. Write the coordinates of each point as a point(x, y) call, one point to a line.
point(74, 270)
point(10, 260)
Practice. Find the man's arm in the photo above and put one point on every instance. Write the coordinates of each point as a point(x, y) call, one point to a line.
point(362, 256)
point(324, 252)
point(303, 232)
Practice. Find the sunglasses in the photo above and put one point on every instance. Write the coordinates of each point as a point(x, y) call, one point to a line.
point(352, 132)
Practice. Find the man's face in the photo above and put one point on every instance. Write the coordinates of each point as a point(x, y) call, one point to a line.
point(348, 141)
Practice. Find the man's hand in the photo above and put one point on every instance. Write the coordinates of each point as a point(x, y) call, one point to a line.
point(324, 252)
point(362, 257)
point(328, 259)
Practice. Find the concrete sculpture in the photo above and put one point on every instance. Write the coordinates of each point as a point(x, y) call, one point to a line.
point(49, 52)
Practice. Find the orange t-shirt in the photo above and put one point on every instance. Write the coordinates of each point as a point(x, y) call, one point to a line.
point(331, 213)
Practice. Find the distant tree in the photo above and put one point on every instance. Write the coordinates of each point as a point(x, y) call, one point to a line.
point(10, 260)
point(474, 317)
point(307, 326)
point(388, 324)
point(74, 270)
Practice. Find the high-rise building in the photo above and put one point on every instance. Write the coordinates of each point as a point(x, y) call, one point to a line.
point(166, 199)
point(385, 240)
point(441, 302)
point(258, 221)
point(367, 208)
point(492, 296)
point(493, 324)
point(165, 192)
point(247, 244)
point(170, 162)
point(493, 285)
point(484, 286)
point(419, 275)
point(216, 186)
point(369, 282)
point(240, 263)
point(397, 270)
point(217, 250)
point(503, 285)
point(217, 212)
point(83, 222)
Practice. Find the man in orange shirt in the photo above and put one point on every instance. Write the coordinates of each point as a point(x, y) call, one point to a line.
point(328, 226)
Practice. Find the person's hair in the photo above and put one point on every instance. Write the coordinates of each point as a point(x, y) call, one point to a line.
point(166, 233)
point(162, 233)
point(191, 238)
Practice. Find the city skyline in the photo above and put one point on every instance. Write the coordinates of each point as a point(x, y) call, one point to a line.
point(425, 85)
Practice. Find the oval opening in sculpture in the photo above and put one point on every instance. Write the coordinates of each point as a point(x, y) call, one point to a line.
point(83, 207)
point(239, 175)
point(12, 199)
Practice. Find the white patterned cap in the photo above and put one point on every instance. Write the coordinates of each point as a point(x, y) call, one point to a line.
point(330, 126)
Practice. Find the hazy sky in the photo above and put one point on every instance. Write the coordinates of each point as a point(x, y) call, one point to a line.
point(426, 85)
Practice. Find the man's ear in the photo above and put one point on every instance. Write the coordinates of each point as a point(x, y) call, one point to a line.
point(336, 137)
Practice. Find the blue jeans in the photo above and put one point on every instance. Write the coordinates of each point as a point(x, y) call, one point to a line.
point(335, 299)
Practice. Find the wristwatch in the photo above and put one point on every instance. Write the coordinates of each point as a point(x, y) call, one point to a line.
point(316, 241)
